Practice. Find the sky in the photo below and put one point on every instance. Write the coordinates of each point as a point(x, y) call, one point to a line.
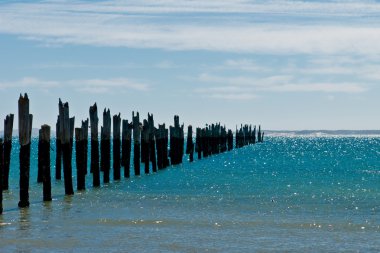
point(283, 64)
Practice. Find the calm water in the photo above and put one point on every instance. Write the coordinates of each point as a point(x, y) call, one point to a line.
point(288, 194)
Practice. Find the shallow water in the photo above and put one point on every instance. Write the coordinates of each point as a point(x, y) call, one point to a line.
point(287, 194)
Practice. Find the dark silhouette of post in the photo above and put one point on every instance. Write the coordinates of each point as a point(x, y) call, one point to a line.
point(1, 175)
point(94, 121)
point(45, 161)
point(85, 140)
point(39, 158)
point(198, 142)
point(126, 147)
point(65, 125)
point(145, 146)
point(80, 158)
point(25, 130)
point(8, 129)
point(190, 143)
point(116, 147)
point(58, 151)
point(152, 143)
point(136, 142)
point(105, 146)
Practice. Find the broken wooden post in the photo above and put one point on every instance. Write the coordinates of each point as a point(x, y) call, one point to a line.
point(230, 140)
point(152, 143)
point(85, 143)
point(58, 151)
point(7, 148)
point(80, 158)
point(105, 146)
point(176, 142)
point(198, 142)
point(72, 124)
point(45, 161)
point(126, 147)
point(189, 143)
point(254, 135)
point(136, 142)
point(25, 129)
point(1, 175)
point(160, 142)
point(116, 147)
point(94, 121)
point(145, 146)
point(65, 124)
point(259, 135)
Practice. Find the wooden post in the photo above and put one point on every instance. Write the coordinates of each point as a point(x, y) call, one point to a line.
point(160, 142)
point(94, 121)
point(262, 137)
point(259, 134)
point(105, 146)
point(176, 142)
point(136, 142)
point(80, 158)
point(116, 147)
point(230, 140)
point(8, 129)
point(254, 135)
point(145, 146)
point(72, 124)
point(85, 139)
point(1, 175)
point(45, 161)
point(189, 143)
point(126, 147)
point(25, 129)
point(65, 124)
point(166, 144)
point(152, 143)
point(198, 142)
point(58, 151)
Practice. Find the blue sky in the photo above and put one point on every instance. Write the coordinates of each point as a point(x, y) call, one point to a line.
point(283, 64)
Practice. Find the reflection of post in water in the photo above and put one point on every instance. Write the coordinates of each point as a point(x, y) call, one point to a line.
point(24, 220)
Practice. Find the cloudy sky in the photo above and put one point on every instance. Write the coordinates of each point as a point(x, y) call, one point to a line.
point(284, 64)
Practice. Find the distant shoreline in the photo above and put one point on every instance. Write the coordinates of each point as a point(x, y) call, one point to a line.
point(274, 133)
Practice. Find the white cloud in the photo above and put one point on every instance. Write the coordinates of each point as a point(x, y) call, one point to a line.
point(138, 24)
point(82, 85)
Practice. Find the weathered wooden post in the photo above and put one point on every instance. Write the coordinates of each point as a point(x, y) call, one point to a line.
point(58, 151)
point(152, 143)
point(262, 137)
point(230, 140)
point(254, 135)
point(80, 158)
point(1, 175)
point(160, 142)
point(25, 129)
point(85, 140)
point(8, 129)
point(45, 161)
point(259, 134)
point(116, 147)
point(94, 121)
point(105, 146)
point(190, 143)
point(176, 142)
point(136, 142)
point(198, 142)
point(66, 123)
point(72, 124)
point(145, 146)
point(126, 147)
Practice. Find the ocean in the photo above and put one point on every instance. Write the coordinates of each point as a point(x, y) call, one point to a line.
point(288, 194)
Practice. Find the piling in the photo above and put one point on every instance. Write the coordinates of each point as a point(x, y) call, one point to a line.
point(259, 135)
point(1, 175)
point(176, 142)
point(7, 148)
point(230, 140)
point(65, 124)
point(198, 142)
point(190, 143)
point(160, 134)
point(136, 142)
point(126, 147)
point(80, 158)
point(105, 146)
point(116, 147)
point(45, 161)
point(58, 151)
point(25, 129)
point(145, 146)
point(152, 143)
point(85, 143)
point(94, 121)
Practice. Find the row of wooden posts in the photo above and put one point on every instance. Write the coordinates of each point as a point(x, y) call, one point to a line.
point(150, 146)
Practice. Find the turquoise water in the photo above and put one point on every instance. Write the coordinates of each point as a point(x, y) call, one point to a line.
point(288, 194)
